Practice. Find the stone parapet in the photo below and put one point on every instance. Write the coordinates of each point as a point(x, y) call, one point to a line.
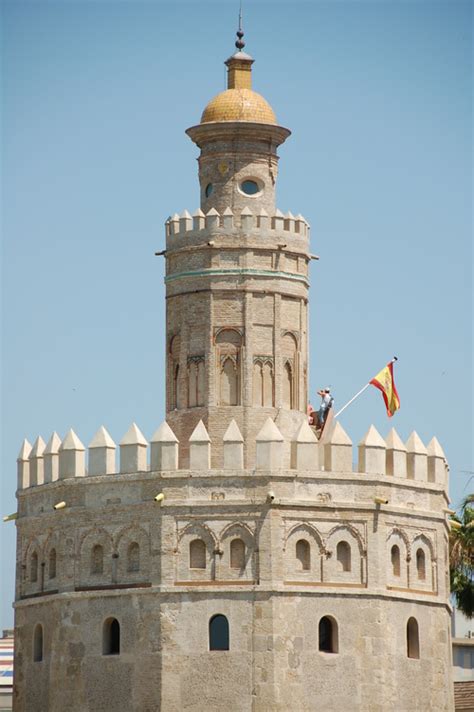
point(274, 451)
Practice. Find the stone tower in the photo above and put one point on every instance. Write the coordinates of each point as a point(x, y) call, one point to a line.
point(233, 562)
point(236, 280)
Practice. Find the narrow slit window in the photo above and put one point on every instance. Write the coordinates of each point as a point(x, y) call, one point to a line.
point(237, 554)
point(197, 554)
point(52, 564)
point(38, 644)
point(303, 554)
point(34, 567)
point(133, 557)
point(413, 639)
point(395, 559)
point(97, 559)
point(343, 553)
point(111, 637)
point(421, 564)
point(218, 633)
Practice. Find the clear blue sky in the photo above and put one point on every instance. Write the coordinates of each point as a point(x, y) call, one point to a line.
point(96, 98)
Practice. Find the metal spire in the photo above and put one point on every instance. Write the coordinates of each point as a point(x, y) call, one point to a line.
point(240, 44)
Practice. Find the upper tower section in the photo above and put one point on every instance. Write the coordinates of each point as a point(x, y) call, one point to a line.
point(238, 137)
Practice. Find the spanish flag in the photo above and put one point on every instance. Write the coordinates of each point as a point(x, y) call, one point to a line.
point(385, 383)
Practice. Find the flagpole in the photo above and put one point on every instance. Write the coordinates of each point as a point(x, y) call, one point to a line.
point(352, 399)
point(360, 392)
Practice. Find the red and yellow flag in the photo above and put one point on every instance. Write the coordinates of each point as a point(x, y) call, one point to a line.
point(385, 383)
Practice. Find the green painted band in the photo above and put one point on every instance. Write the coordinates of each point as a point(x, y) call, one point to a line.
point(237, 272)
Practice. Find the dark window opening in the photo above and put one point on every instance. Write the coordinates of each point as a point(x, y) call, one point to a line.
point(328, 638)
point(111, 637)
point(249, 187)
point(413, 639)
point(218, 633)
point(38, 644)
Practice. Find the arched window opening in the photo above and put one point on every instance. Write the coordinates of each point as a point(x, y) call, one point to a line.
point(421, 564)
point(174, 356)
point(328, 637)
point(229, 382)
point(197, 554)
point(52, 564)
point(175, 395)
point(258, 383)
point(343, 554)
point(133, 557)
point(268, 384)
point(288, 386)
point(303, 554)
point(413, 639)
point(237, 554)
point(97, 559)
point(228, 346)
point(111, 637)
point(200, 383)
point(34, 567)
point(195, 382)
point(395, 558)
point(38, 643)
point(218, 633)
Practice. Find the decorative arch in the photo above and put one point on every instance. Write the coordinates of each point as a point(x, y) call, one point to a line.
point(423, 563)
point(402, 534)
point(303, 547)
point(189, 553)
point(228, 344)
point(132, 544)
point(309, 529)
point(32, 559)
point(347, 555)
point(90, 556)
point(196, 376)
point(263, 382)
point(237, 543)
point(351, 530)
point(398, 558)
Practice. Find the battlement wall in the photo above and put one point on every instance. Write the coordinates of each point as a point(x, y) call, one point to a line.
point(63, 460)
point(194, 226)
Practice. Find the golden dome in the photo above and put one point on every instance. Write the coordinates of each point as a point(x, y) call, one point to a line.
point(239, 105)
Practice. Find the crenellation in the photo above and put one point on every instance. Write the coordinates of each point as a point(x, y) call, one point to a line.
point(334, 454)
point(437, 463)
point(51, 458)
point(338, 450)
point(164, 449)
point(417, 458)
point(37, 462)
point(396, 463)
point(133, 450)
point(102, 454)
point(372, 452)
point(23, 465)
point(71, 457)
point(213, 222)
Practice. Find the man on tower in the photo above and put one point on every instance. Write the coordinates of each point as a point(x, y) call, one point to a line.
point(326, 404)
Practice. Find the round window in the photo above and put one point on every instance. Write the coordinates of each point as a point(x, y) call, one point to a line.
point(209, 189)
point(249, 187)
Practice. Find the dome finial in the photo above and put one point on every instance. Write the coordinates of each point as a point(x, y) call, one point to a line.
point(239, 43)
